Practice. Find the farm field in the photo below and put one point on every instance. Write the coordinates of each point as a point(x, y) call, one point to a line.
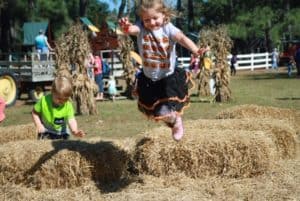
point(247, 149)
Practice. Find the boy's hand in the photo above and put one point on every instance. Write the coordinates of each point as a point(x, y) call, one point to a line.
point(79, 133)
point(41, 129)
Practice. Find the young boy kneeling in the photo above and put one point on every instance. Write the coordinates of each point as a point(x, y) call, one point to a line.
point(53, 114)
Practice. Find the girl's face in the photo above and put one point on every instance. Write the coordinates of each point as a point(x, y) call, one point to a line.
point(152, 19)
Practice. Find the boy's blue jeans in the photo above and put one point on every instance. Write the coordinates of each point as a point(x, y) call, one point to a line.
point(52, 136)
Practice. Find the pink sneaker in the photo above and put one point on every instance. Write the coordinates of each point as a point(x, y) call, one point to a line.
point(177, 130)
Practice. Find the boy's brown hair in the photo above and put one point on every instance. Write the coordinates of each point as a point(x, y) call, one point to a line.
point(62, 86)
point(160, 7)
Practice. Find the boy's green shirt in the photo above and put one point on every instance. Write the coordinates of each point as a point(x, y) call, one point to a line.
point(54, 118)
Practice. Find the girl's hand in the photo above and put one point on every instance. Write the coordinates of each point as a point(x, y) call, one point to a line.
point(124, 24)
point(201, 51)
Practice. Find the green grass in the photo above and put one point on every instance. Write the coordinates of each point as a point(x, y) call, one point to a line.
point(122, 119)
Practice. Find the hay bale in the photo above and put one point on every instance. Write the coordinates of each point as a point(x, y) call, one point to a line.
point(205, 152)
point(19, 132)
point(13, 192)
point(255, 111)
point(280, 131)
point(61, 164)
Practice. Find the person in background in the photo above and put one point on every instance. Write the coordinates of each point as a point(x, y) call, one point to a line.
point(162, 88)
point(41, 44)
point(99, 77)
point(53, 115)
point(275, 59)
point(194, 65)
point(233, 64)
point(112, 87)
point(297, 60)
point(90, 64)
point(2, 109)
point(290, 65)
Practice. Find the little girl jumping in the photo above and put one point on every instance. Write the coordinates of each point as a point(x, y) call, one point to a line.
point(162, 88)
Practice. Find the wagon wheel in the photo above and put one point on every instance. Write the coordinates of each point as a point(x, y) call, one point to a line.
point(36, 94)
point(8, 88)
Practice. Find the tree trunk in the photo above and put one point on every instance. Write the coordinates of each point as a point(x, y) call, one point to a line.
point(178, 19)
point(82, 7)
point(191, 21)
point(121, 9)
point(31, 4)
point(5, 29)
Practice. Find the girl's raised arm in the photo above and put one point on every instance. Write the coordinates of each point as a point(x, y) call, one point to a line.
point(127, 27)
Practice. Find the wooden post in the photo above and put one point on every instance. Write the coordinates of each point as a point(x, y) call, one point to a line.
point(252, 61)
point(267, 60)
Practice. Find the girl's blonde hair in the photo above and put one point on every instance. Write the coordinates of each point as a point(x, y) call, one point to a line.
point(62, 86)
point(160, 7)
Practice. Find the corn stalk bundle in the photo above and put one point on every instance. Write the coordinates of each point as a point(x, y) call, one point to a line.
point(126, 46)
point(72, 51)
point(203, 82)
point(220, 43)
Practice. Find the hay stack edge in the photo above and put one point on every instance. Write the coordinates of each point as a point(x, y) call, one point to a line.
point(17, 133)
point(60, 164)
point(244, 147)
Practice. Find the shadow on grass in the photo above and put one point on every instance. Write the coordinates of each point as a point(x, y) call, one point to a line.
point(268, 76)
point(29, 102)
point(107, 164)
point(288, 98)
point(201, 100)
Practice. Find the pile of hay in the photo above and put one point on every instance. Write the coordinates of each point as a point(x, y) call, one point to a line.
point(19, 132)
point(255, 111)
point(240, 147)
point(61, 164)
point(231, 149)
point(205, 152)
point(283, 136)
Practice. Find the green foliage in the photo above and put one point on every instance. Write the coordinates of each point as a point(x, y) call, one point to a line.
point(97, 12)
point(275, 33)
point(246, 20)
point(59, 13)
point(249, 20)
point(237, 30)
point(55, 12)
point(72, 8)
point(293, 18)
point(254, 23)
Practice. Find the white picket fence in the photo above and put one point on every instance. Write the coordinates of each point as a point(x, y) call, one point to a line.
point(245, 61)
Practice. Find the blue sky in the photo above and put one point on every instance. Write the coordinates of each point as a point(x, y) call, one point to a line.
point(111, 4)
